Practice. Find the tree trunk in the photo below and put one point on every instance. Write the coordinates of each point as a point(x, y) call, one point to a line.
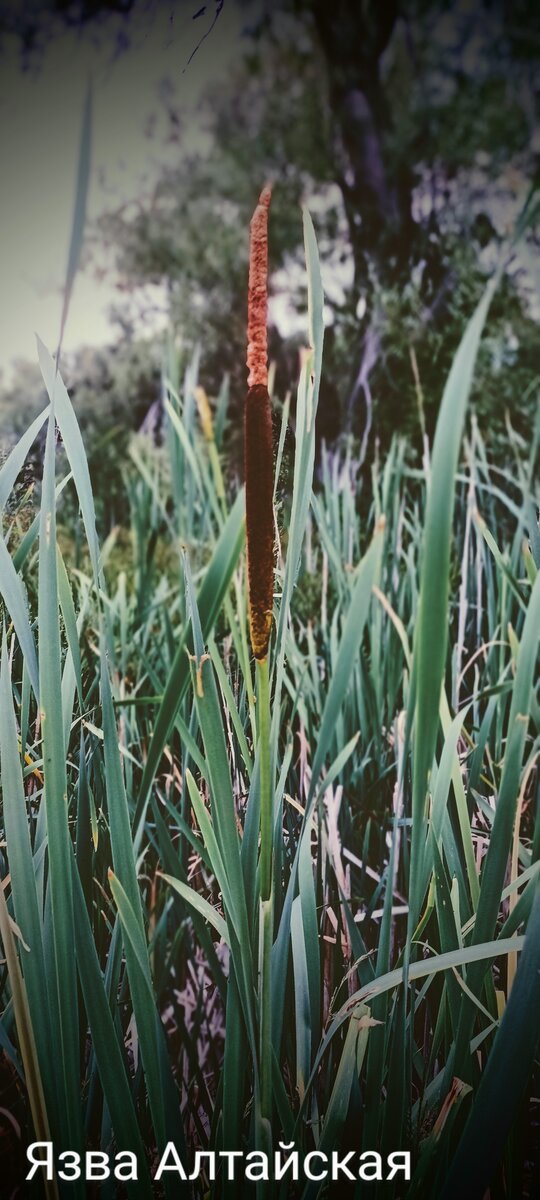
point(353, 38)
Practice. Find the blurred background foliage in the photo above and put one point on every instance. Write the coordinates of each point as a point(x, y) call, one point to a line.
point(411, 131)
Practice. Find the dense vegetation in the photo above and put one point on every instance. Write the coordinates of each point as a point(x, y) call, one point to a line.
point(404, 1008)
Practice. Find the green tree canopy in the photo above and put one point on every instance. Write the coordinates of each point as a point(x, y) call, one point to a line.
point(410, 129)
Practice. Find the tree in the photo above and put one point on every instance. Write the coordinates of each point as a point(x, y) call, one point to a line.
point(408, 125)
point(30, 27)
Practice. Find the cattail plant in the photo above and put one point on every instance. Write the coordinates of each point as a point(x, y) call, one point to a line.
point(376, 970)
point(259, 472)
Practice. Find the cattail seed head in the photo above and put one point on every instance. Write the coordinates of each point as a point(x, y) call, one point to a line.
point(258, 442)
point(258, 293)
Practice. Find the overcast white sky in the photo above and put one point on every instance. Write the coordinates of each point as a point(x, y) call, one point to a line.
point(40, 116)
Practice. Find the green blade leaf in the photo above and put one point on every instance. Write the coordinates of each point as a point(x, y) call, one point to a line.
point(14, 596)
point(504, 1079)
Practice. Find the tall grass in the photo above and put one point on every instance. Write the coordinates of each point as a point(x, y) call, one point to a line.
point(391, 763)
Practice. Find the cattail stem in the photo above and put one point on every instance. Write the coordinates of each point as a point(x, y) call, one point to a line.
point(265, 781)
point(266, 928)
point(266, 914)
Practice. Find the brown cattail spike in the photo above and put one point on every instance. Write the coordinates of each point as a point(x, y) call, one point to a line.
point(257, 295)
point(259, 452)
point(259, 516)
